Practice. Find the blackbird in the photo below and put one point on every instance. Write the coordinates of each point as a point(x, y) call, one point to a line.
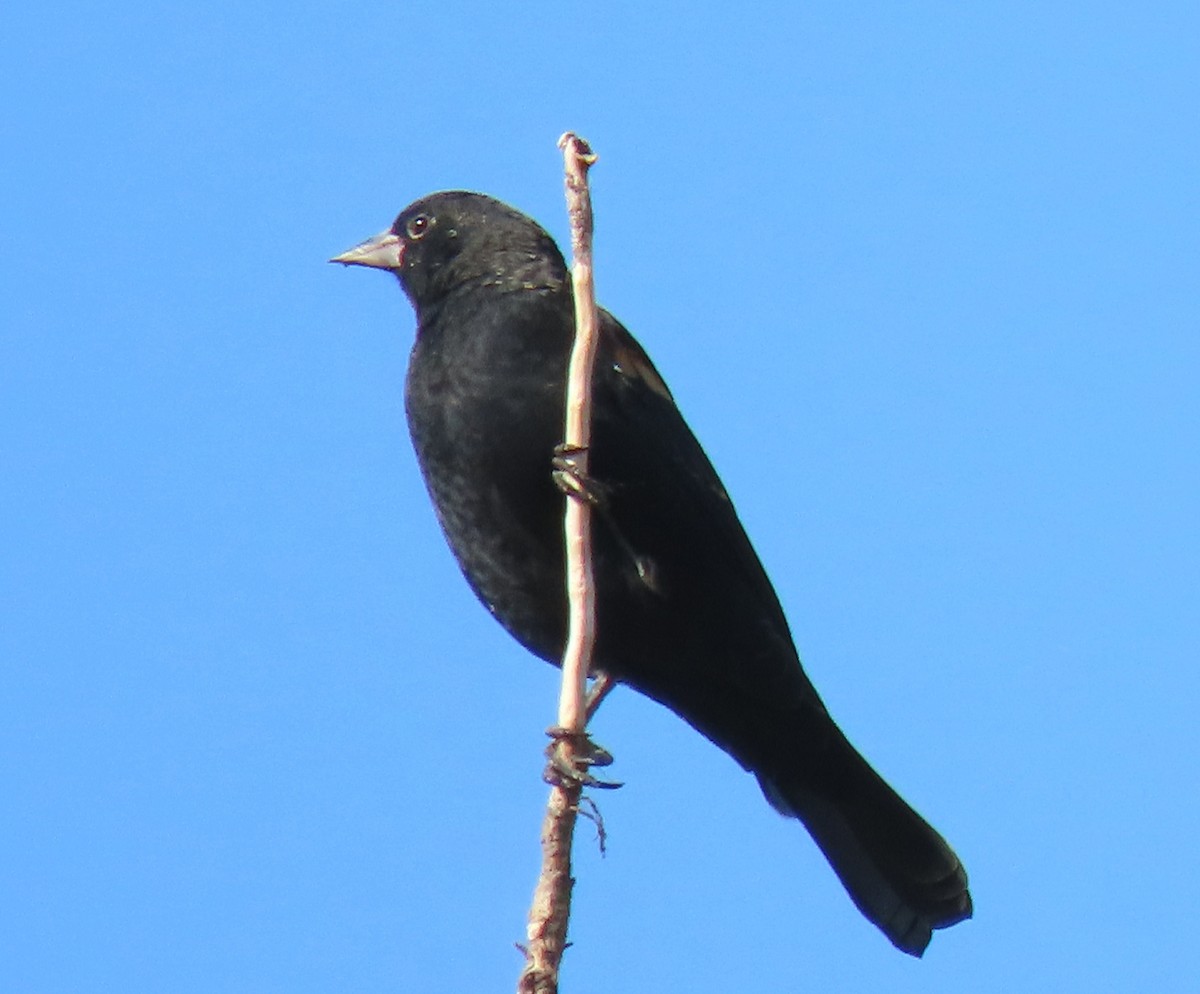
point(685, 612)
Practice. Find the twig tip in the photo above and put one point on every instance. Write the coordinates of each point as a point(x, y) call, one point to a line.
point(578, 146)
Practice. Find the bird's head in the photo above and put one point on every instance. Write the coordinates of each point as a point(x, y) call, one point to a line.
point(455, 238)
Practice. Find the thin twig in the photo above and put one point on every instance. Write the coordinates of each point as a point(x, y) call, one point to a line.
point(551, 905)
point(578, 432)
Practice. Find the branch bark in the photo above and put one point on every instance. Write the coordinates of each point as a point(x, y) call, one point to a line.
point(581, 590)
point(550, 909)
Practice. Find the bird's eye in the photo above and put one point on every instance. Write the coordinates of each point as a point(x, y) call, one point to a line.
point(418, 225)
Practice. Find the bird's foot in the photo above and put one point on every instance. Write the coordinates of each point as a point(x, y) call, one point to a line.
point(572, 756)
point(569, 469)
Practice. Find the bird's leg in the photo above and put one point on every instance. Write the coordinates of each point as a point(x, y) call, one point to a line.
point(601, 687)
point(584, 754)
point(573, 481)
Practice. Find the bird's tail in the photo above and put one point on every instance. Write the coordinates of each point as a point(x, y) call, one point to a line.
point(899, 872)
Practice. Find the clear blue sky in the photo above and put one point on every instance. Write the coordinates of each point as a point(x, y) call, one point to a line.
point(924, 279)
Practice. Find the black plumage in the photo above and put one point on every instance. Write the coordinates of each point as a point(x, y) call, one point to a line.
point(686, 614)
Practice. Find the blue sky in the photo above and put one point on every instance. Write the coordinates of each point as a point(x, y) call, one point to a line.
point(923, 278)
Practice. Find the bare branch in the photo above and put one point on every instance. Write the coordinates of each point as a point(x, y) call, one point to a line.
point(580, 588)
point(551, 905)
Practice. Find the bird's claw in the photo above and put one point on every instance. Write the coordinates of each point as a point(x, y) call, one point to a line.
point(570, 476)
point(572, 768)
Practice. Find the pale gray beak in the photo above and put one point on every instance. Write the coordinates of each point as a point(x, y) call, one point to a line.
point(384, 251)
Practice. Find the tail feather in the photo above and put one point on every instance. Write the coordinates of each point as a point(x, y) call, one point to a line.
point(898, 871)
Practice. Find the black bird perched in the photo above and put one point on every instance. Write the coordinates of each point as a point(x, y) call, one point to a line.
point(685, 612)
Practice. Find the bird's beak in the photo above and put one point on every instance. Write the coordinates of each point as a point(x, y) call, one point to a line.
point(384, 251)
